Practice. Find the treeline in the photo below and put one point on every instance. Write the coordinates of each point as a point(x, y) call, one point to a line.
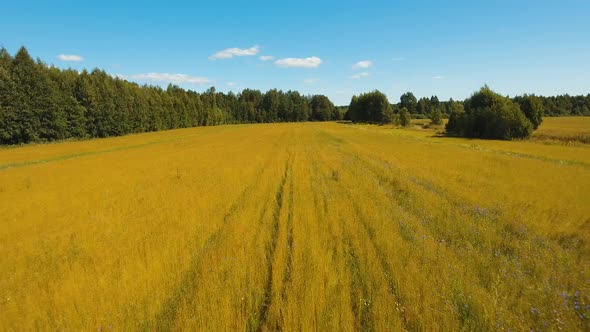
point(422, 108)
point(42, 103)
point(425, 107)
point(374, 107)
point(562, 105)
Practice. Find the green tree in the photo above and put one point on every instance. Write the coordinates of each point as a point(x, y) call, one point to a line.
point(532, 106)
point(408, 100)
point(423, 106)
point(270, 104)
point(454, 106)
point(404, 117)
point(322, 108)
point(455, 123)
point(301, 111)
point(370, 107)
point(436, 116)
point(390, 118)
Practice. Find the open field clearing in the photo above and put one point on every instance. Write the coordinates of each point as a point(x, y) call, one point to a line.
point(308, 226)
point(565, 129)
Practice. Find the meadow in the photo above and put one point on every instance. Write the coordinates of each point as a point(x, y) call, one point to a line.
point(567, 129)
point(297, 226)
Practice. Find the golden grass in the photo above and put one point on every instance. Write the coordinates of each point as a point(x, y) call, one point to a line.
point(565, 129)
point(314, 226)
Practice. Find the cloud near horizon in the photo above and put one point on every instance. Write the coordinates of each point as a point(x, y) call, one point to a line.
point(359, 75)
point(229, 53)
point(310, 62)
point(438, 77)
point(170, 78)
point(70, 57)
point(362, 65)
point(311, 80)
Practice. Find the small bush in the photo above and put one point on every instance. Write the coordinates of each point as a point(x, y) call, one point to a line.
point(436, 117)
point(404, 117)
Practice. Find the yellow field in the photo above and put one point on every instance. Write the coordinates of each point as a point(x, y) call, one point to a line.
point(568, 129)
point(311, 226)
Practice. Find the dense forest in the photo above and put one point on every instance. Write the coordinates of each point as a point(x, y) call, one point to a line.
point(43, 103)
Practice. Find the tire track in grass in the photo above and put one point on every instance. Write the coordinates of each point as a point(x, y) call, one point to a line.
point(282, 296)
point(165, 320)
point(361, 304)
point(399, 195)
point(359, 297)
point(392, 286)
point(288, 265)
point(266, 205)
point(361, 300)
point(268, 288)
point(388, 274)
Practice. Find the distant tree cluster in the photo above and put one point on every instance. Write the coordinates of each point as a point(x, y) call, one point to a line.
point(431, 107)
point(490, 115)
point(485, 115)
point(401, 113)
point(42, 103)
point(372, 107)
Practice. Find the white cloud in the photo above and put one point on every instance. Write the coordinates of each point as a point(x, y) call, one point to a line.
point(171, 78)
point(362, 65)
point(70, 57)
point(438, 77)
point(234, 51)
point(266, 58)
point(311, 80)
point(359, 75)
point(311, 62)
point(398, 59)
point(232, 83)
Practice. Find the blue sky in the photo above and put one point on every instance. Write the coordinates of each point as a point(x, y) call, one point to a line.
point(447, 48)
